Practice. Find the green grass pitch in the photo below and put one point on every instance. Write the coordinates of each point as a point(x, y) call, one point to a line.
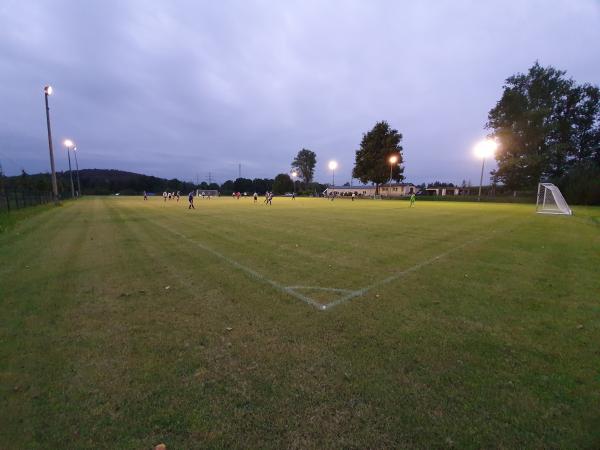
point(305, 324)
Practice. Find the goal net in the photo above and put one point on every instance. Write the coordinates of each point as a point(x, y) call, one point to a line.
point(551, 201)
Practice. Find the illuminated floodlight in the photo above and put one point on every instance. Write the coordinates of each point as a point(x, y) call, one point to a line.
point(393, 159)
point(486, 148)
point(68, 143)
point(332, 165)
point(294, 174)
point(48, 90)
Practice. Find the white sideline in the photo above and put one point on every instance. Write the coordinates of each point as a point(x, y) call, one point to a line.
point(243, 268)
point(400, 274)
point(292, 290)
point(319, 288)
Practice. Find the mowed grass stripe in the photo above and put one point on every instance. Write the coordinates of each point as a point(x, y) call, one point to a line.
point(35, 333)
point(492, 347)
point(183, 244)
point(35, 233)
point(311, 260)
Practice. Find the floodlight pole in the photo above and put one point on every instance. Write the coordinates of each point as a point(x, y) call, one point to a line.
point(71, 174)
point(293, 175)
point(390, 183)
point(481, 179)
point(332, 178)
point(77, 172)
point(47, 91)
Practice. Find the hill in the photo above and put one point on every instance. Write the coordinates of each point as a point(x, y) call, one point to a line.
point(98, 182)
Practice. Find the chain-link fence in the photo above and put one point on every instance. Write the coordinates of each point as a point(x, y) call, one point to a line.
point(11, 199)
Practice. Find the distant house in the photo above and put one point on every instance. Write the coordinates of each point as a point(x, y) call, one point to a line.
point(395, 190)
point(446, 190)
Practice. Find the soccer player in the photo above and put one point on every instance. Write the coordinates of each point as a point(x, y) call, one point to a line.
point(353, 195)
point(412, 200)
point(270, 198)
point(191, 200)
point(293, 196)
point(145, 195)
point(165, 195)
point(177, 195)
point(255, 196)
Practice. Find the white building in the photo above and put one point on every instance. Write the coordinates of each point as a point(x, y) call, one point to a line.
point(395, 190)
point(446, 190)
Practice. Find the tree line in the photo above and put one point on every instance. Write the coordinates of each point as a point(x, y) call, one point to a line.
point(96, 182)
point(107, 182)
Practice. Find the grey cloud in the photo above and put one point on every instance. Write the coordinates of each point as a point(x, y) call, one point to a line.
point(179, 88)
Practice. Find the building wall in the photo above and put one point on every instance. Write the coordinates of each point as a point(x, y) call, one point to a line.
point(368, 191)
point(443, 191)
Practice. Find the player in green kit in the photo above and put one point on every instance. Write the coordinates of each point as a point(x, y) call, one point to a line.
point(412, 200)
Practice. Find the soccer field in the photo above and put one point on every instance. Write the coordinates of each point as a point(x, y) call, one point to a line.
point(305, 324)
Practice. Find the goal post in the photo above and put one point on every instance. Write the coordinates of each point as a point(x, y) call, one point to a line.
point(551, 201)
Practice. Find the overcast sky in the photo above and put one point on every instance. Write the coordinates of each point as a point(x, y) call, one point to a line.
point(184, 88)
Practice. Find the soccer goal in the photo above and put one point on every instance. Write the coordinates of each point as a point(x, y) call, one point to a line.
point(551, 201)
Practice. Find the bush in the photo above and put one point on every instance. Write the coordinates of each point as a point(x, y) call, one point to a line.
point(581, 185)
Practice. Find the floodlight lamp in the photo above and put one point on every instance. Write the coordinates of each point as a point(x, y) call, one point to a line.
point(294, 174)
point(332, 165)
point(68, 143)
point(393, 159)
point(48, 90)
point(486, 148)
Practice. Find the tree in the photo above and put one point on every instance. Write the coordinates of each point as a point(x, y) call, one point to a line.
point(372, 160)
point(282, 184)
point(242, 185)
point(305, 162)
point(545, 124)
point(1, 180)
point(581, 184)
point(262, 185)
point(440, 184)
point(227, 188)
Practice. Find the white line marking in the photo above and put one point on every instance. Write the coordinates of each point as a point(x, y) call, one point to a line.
point(248, 270)
point(319, 288)
point(290, 290)
point(400, 274)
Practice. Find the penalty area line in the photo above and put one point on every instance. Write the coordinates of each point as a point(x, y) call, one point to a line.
point(401, 273)
point(288, 290)
point(319, 288)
